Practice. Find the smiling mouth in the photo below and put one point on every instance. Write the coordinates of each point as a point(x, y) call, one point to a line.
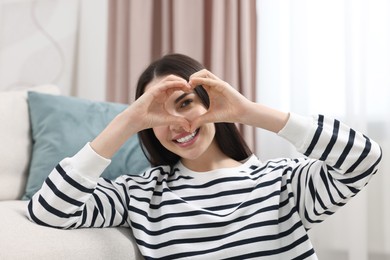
point(187, 138)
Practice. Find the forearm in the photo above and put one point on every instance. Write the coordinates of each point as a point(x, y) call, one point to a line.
point(264, 117)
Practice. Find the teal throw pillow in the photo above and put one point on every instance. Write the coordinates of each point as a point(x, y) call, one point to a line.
point(62, 125)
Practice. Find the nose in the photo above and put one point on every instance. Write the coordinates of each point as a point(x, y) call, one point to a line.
point(176, 128)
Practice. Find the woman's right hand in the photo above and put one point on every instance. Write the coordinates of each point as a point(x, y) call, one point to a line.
point(147, 111)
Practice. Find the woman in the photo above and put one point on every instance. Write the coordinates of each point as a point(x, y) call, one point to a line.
point(206, 196)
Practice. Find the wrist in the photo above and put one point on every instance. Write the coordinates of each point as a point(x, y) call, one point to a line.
point(130, 122)
point(117, 132)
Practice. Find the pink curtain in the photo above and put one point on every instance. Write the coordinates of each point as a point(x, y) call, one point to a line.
point(219, 33)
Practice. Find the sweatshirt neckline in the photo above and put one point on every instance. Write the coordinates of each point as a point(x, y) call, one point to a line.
point(251, 160)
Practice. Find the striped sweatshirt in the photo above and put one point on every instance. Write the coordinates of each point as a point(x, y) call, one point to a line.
point(258, 210)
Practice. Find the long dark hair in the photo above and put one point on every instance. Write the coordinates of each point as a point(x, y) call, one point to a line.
point(227, 135)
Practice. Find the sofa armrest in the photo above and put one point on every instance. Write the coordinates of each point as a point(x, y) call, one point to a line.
point(15, 140)
point(22, 239)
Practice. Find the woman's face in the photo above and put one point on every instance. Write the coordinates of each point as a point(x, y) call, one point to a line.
point(174, 138)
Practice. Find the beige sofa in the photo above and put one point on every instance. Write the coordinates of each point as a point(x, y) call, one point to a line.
point(22, 239)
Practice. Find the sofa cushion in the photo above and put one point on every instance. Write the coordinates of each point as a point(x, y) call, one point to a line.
point(15, 140)
point(62, 125)
point(22, 239)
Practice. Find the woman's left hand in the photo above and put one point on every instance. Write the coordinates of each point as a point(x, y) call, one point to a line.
point(226, 103)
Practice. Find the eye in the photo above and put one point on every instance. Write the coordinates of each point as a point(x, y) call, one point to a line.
point(186, 103)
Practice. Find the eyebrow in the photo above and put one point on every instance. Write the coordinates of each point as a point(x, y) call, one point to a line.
point(181, 97)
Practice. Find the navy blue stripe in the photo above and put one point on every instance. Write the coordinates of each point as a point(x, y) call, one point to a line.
point(332, 181)
point(94, 216)
point(185, 186)
point(328, 149)
point(309, 219)
point(62, 195)
point(362, 156)
point(316, 136)
point(127, 197)
point(346, 150)
point(301, 173)
point(207, 184)
point(100, 208)
point(268, 165)
point(85, 215)
point(219, 194)
point(72, 182)
point(316, 198)
point(277, 251)
point(180, 177)
point(35, 218)
point(223, 207)
point(370, 171)
point(325, 177)
point(112, 206)
point(157, 206)
point(365, 174)
point(144, 179)
point(55, 211)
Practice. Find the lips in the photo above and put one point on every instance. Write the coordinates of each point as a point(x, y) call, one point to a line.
point(183, 139)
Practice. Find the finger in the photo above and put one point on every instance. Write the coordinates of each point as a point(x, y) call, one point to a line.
point(172, 86)
point(185, 89)
point(173, 77)
point(204, 73)
point(168, 83)
point(199, 121)
point(170, 78)
point(167, 89)
point(207, 83)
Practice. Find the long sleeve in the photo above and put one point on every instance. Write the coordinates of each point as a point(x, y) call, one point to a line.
point(74, 196)
point(340, 163)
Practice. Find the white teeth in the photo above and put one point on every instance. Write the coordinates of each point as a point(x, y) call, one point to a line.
point(186, 138)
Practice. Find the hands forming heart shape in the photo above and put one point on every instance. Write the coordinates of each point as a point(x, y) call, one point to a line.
point(226, 104)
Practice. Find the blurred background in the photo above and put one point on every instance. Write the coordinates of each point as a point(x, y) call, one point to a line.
point(307, 56)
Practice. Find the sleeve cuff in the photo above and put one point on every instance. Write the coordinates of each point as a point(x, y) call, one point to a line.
point(298, 131)
point(89, 163)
